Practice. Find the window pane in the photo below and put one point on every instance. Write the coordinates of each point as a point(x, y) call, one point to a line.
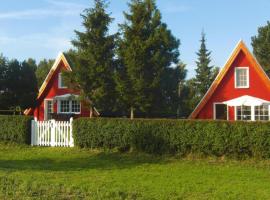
point(61, 81)
point(243, 112)
point(241, 77)
point(262, 112)
point(238, 113)
point(64, 106)
point(75, 107)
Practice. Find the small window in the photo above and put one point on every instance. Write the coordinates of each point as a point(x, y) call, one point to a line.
point(243, 113)
point(64, 106)
point(61, 83)
point(262, 113)
point(69, 106)
point(241, 77)
point(75, 107)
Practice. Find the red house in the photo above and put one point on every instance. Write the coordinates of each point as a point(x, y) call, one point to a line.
point(241, 91)
point(55, 100)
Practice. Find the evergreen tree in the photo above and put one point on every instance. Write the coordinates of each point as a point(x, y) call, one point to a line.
point(3, 69)
point(19, 88)
point(95, 67)
point(204, 72)
point(173, 92)
point(145, 50)
point(261, 47)
point(43, 69)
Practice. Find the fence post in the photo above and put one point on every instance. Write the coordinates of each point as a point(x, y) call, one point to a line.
point(53, 125)
point(71, 140)
point(33, 132)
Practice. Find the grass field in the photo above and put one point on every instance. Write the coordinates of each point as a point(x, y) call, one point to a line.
point(55, 173)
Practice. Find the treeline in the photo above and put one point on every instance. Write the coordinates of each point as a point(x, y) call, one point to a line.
point(136, 72)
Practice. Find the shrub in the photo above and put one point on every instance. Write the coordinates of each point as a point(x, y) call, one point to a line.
point(210, 138)
point(15, 129)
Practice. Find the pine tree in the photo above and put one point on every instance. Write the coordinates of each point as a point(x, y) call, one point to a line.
point(261, 47)
point(146, 49)
point(204, 72)
point(95, 68)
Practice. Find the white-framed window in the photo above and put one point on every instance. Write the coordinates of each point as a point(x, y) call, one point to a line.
point(61, 83)
point(64, 106)
point(48, 109)
point(69, 106)
point(75, 106)
point(243, 113)
point(262, 113)
point(241, 77)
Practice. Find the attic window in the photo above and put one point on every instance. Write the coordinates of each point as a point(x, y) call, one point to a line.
point(241, 77)
point(61, 83)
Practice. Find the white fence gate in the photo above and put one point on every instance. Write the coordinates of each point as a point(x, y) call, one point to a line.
point(52, 133)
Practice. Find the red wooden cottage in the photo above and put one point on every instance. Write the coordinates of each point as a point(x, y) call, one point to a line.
point(241, 91)
point(55, 100)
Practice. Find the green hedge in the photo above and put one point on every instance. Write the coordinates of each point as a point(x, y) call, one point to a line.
point(15, 129)
point(210, 138)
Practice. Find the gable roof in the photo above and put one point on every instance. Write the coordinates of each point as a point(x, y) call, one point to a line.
point(239, 47)
point(60, 58)
point(56, 65)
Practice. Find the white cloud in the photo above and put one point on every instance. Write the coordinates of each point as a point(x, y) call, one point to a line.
point(55, 8)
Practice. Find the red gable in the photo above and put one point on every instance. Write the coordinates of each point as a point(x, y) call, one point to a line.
point(60, 62)
point(223, 88)
point(55, 100)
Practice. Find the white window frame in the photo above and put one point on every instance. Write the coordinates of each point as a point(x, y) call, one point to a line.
point(60, 81)
point(235, 77)
point(252, 114)
point(45, 108)
point(70, 107)
point(214, 109)
point(263, 115)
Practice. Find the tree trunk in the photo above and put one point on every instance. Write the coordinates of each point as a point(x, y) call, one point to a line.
point(91, 112)
point(131, 113)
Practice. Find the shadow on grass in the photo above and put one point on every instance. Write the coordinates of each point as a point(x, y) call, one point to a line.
point(101, 161)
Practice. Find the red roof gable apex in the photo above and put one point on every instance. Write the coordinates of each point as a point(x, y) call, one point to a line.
point(239, 47)
point(60, 58)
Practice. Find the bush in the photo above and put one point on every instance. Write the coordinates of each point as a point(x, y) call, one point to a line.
point(210, 138)
point(15, 129)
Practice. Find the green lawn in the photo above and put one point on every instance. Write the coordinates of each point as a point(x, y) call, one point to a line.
point(66, 173)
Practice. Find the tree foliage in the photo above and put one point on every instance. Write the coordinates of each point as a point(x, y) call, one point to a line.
point(204, 71)
point(43, 69)
point(261, 46)
point(95, 67)
point(146, 50)
point(18, 84)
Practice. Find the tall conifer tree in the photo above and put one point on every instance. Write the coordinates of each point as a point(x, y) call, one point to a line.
point(261, 47)
point(204, 71)
point(94, 68)
point(146, 49)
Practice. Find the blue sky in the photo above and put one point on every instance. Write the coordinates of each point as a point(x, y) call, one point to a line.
point(41, 28)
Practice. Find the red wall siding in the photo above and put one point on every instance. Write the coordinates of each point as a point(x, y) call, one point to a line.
point(51, 91)
point(226, 90)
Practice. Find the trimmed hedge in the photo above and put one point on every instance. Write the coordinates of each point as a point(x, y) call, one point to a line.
point(210, 138)
point(15, 129)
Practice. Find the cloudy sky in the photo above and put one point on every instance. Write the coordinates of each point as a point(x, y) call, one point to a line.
point(41, 28)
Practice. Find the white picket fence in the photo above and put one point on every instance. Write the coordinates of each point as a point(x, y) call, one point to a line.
point(52, 133)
